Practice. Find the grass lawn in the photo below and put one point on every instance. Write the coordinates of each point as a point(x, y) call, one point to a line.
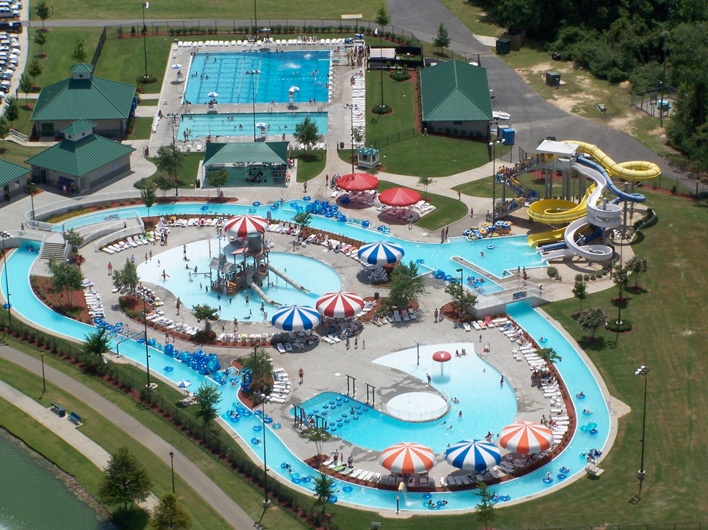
point(23, 123)
point(142, 129)
point(473, 17)
point(309, 164)
point(13, 152)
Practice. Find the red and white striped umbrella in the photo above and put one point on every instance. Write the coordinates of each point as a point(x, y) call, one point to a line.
point(407, 457)
point(244, 224)
point(526, 437)
point(342, 304)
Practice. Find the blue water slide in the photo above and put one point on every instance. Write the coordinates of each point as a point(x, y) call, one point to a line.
point(631, 197)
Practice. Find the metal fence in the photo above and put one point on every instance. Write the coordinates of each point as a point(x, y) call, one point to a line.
point(655, 526)
point(99, 47)
point(393, 138)
point(659, 102)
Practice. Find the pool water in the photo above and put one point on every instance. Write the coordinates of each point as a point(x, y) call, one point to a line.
point(242, 124)
point(226, 74)
point(316, 276)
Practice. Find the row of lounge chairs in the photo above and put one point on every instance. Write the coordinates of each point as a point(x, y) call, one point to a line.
point(93, 301)
point(488, 322)
point(299, 40)
point(170, 325)
point(281, 386)
point(246, 339)
point(127, 243)
point(297, 340)
point(339, 466)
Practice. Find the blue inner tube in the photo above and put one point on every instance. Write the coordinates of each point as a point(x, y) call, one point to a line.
point(562, 476)
point(347, 489)
point(284, 465)
point(255, 441)
point(420, 261)
point(268, 419)
point(548, 480)
point(490, 247)
point(332, 499)
point(205, 208)
point(169, 368)
point(427, 495)
point(307, 198)
point(277, 426)
point(257, 428)
point(305, 478)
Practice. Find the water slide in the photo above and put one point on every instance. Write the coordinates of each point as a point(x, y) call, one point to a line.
point(287, 279)
point(558, 211)
point(633, 171)
point(543, 238)
point(264, 296)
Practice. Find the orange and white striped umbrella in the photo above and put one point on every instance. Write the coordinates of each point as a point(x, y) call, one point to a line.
point(407, 457)
point(526, 437)
point(244, 224)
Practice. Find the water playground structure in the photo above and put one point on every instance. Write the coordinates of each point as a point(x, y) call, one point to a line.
point(595, 214)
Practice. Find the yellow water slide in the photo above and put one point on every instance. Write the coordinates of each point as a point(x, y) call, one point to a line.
point(633, 171)
point(558, 211)
point(543, 238)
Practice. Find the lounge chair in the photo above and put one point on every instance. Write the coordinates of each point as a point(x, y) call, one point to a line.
point(280, 347)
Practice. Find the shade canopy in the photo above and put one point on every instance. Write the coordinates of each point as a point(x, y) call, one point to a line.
point(295, 318)
point(407, 457)
point(442, 356)
point(399, 197)
point(380, 253)
point(526, 437)
point(342, 304)
point(357, 182)
point(244, 224)
point(213, 94)
point(294, 89)
point(473, 455)
point(176, 66)
point(184, 383)
point(262, 125)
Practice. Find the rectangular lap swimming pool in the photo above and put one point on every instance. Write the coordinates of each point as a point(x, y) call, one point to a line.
point(242, 124)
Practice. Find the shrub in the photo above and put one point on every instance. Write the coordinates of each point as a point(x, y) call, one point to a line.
point(552, 272)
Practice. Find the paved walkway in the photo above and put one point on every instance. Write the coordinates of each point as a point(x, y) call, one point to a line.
point(199, 481)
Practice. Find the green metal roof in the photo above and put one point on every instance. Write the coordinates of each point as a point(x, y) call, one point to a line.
point(455, 91)
point(81, 68)
point(78, 127)
point(246, 153)
point(368, 151)
point(77, 158)
point(93, 98)
point(10, 172)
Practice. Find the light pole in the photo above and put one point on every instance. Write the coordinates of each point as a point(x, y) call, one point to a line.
point(147, 351)
point(146, 5)
point(641, 474)
point(462, 289)
point(44, 381)
point(352, 107)
point(493, 144)
point(253, 93)
point(266, 501)
point(5, 235)
point(172, 466)
point(255, 18)
point(417, 352)
point(29, 191)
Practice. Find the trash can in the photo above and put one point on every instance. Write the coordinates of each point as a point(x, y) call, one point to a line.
point(553, 78)
point(376, 295)
point(341, 145)
point(503, 46)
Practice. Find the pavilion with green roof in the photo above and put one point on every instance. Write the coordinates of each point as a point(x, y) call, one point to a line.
point(247, 164)
point(455, 99)
point(83, 96)
point(82, 161)
point(13, 179)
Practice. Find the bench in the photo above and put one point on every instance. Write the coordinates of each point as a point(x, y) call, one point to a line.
point(58, 410)
point(602, 107)
point(375, 524)
point(74, 418)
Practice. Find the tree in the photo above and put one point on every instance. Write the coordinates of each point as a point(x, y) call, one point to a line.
point(164, 183)
point(462, 297)
point(170, 515)
point(593, 318)
point(148, 196)
point(549, 355)
point(324, 489)
point(34, 68)
point(307, 132)
point(78, 54)
point(125, 480)
point(485, 507)
point(261, 365)
point(425, 182)
point(208, 397)
point(620, 274)
point(302, 218)
point(25, 85)
point(4, 128)
point(406, 284)
point(218, 179)
point(40, 39)
point(12, 111)
point(65, 276)
point(206, 313)
point(442, 40)
point(382, 20)
point(97, 343)
point(42, 10)
point(637, 266)
point(580, 291)
point(127, 277)
point(169, 160)
point(73, 238)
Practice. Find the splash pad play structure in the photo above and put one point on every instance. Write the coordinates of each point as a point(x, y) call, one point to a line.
point(595, 214)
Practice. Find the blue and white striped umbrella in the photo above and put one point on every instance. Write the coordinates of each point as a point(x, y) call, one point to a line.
point(295, 318)
point(380, 253)
point(470, 455)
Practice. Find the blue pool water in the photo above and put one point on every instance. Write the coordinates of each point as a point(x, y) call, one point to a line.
point(225, 74)
point(314, 275)
point(242, 124)
point(572, 369)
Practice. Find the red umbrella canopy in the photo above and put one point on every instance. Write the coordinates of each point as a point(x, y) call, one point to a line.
point(407, 457)
point(526, 437)
point(244, 224)
point(399, 197)
point(340, 305)
point(357, 182)
point(442, 356)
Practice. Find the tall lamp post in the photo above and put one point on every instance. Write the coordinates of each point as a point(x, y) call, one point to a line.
point(462, 287)
point(172, 467)
point(641, 474)
point(493, 144)
point(253, 94)
point(352, 107)
point(44, 381)
point(5, 235)
point(146, 5)
point(266, 501)
point(147, 351)
point(255, 18)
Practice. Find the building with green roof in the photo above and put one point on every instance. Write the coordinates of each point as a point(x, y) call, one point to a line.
point(82, 161)
point(455, 100)
point(13, 179)
point(247, 164)
point(83, 96)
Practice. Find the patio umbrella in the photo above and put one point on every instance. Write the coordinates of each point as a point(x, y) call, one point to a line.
point(380, 253)
point(357, 182)
point(244, 224)
point(184, 383)
point(442, 357)
point(261, 125)
point(473, 455)
point(526, 437)
point(399, 197)
point(340, 305)
point(176, 66)
point(213, 94)
point(293, 89)
point(295, 318)
point(407, 457)
point(594, 453)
